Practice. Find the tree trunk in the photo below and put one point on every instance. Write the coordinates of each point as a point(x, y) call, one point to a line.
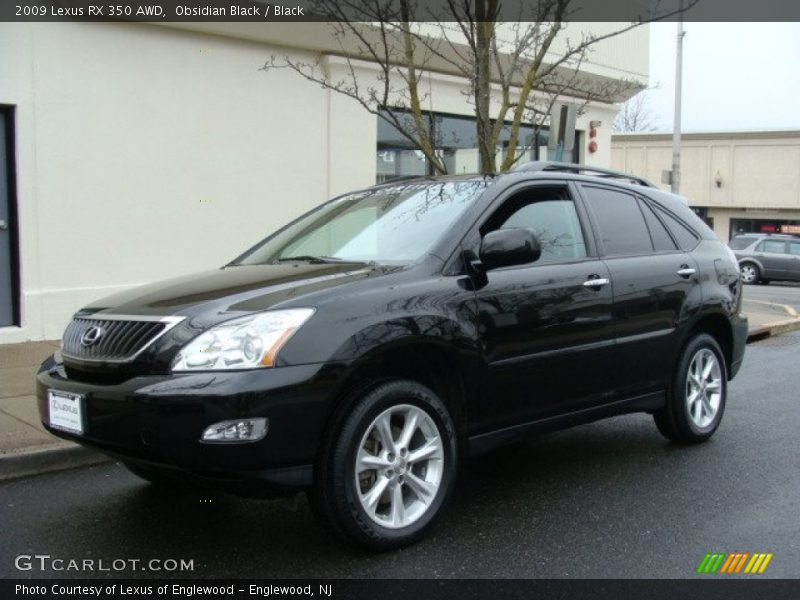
point(485, 10)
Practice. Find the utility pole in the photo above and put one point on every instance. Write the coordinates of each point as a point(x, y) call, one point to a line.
point(675, 178)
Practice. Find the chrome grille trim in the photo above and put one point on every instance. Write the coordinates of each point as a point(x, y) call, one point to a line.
point(126, 336)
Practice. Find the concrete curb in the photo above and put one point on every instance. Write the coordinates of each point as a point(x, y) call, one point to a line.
point(775, 328)
point(44, 460)
point(788, 309)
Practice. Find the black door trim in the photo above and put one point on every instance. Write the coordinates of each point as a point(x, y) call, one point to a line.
point(483, 442)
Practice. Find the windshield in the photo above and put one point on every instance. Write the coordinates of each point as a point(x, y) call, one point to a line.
point(396, 224)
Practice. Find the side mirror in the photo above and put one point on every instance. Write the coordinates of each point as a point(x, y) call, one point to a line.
point(508, 247)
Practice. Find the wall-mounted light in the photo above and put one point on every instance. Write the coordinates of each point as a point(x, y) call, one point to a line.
point(718, 179)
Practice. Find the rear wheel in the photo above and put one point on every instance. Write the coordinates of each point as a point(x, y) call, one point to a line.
point(696, 400)
point(750, 272)
point(387, 471)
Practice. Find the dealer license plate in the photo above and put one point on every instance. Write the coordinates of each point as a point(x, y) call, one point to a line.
point(66, 411)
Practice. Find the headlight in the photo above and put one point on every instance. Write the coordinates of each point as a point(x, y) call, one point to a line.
point(250, 342)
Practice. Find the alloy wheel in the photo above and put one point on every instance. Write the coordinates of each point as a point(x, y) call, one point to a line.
point(399, 466)
point(703, 388)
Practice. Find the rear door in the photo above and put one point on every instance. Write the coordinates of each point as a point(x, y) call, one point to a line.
point(545, 326)
point(652, 277)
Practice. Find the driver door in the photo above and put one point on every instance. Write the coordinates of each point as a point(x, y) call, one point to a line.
point(545, 328)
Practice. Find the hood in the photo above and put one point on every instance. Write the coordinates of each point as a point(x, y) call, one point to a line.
point(233, 289)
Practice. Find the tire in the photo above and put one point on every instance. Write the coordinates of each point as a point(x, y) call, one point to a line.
point(749, 272)
point(691, 421)
point(156, 476)
point(407, 495)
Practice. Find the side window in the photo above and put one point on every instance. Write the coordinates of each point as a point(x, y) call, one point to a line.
point(794, 248)
point(622, 228)
point(772, 246)
point(551, 215)
point(661, 238)
point(686, 238)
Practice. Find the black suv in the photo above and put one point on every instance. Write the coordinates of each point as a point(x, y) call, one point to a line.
point(362, 350)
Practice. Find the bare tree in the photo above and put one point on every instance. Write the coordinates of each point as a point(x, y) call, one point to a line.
point(513, 70)
point(636, 115)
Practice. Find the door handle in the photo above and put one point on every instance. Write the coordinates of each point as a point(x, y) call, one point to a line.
point(3, 225)
point(686, 271)
point(596, 282)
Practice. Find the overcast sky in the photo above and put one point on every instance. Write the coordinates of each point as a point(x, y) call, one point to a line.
point(735, 75)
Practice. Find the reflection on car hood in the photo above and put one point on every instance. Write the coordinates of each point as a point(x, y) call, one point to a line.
point(233, 289)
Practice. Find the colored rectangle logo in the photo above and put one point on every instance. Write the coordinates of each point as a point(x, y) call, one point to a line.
point(733, 563)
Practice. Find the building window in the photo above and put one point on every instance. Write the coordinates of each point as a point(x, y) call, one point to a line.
point(742, 226)
point(456, 143)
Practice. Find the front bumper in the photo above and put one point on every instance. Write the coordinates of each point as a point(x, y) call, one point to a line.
point(158, 420)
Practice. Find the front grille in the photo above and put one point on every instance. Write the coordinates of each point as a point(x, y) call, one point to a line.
point(113, 338)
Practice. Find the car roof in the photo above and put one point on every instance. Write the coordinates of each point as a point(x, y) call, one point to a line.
point(548, 170)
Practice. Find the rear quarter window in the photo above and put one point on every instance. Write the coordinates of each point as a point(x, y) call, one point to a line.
point(686, 237)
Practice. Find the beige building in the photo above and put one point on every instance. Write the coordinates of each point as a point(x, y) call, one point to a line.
point(139, 152)
point(740, 181)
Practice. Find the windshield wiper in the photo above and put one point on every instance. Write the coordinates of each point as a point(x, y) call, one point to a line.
point(313, 259)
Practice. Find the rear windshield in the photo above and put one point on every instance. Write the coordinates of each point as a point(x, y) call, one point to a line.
point(741, 242)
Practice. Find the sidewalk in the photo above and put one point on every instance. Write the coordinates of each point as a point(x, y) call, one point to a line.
point(26, 448)
point(769, 318)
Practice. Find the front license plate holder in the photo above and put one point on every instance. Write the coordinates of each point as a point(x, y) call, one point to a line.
point(66, 411)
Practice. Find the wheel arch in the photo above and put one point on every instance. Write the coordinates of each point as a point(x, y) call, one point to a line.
point(752, 261)
point(430, 362)
point(718, 326)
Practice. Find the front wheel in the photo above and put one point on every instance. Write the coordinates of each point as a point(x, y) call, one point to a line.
point(696, 399)
point(388, 470)
point(749, 272)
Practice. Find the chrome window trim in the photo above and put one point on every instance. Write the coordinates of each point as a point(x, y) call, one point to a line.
point(170, 322)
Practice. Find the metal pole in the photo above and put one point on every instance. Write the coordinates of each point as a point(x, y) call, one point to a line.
point(675, 179)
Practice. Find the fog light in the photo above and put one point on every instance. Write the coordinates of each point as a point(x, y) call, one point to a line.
point(240, 430)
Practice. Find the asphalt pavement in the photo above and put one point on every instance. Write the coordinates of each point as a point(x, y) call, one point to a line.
point(610, 499)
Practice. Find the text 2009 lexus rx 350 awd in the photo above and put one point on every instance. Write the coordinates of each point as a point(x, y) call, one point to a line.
point(364, 349)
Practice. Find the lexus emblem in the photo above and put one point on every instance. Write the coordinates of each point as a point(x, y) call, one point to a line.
point(92, 335)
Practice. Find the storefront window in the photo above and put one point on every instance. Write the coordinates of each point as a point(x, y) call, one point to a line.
point(456, 144)
point(740, 226)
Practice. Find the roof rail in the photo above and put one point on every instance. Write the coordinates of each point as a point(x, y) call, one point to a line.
point(549, 165)
point(399, 178)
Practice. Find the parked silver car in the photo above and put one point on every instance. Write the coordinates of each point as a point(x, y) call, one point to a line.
point(766, 257)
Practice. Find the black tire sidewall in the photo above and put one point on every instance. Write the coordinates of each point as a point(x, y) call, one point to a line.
point(354, 519)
